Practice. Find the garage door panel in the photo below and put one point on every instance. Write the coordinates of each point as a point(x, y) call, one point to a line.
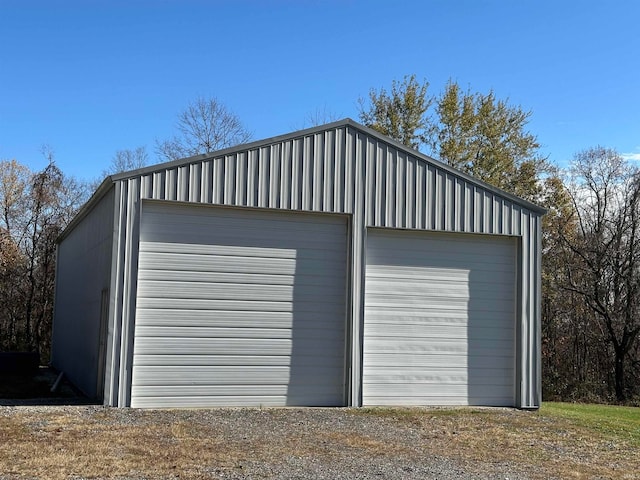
point(420, 346)
point(398, 272)
point(246, 233)
point(324, 251)
point(428, 361)
point(236, 264)
point(238, 332)
point(438, 316)
point(436, 388)
point(481, 308)
point(230, 291)
point(209, 305)
point(438, 288)
point(221, 318)
point(439, 319)
point(443, 331)
point(162, 359)
point(299, 279)
point(239, 298)
point(408, 374)
point(450, 246)
point(183, 401)
point(191, 375)
point(225, 390)
point(453, 397)
point(239, 305)
point(230, 346)
point(440, 259)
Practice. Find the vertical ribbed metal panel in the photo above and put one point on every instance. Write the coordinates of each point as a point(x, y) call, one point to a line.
point(357, 160)
point(405, 192)
point(83, 272)
point(345, 168)
point(309, 173)
point(123, 287)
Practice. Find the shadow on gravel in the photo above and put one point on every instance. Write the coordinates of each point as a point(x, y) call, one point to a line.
point(30, 389)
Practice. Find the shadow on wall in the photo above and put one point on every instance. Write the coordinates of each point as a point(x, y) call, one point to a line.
point(317, 365)
point(491, 327)
point(35, 388)
point(440, 319)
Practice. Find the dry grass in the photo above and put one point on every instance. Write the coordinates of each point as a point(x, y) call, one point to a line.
point(59, 446)
point(109, 443)
point(544, 444)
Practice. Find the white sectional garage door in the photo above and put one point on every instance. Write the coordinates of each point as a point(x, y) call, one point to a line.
point(439, 319)
point(239, 307)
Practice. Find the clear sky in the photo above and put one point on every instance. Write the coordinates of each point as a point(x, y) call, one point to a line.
point(92, 77)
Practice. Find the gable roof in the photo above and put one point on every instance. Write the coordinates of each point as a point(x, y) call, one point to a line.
point(109, 181)
point(346, 122)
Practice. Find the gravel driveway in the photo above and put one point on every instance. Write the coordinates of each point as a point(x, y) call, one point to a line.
point(251, 443)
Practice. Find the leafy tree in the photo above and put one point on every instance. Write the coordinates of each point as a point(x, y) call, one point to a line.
point(476, 133)
point(590, 266)
point(204, 126)
point(486, 137)
point(401, 114)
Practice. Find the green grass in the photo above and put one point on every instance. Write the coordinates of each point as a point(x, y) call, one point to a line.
point(615, 422)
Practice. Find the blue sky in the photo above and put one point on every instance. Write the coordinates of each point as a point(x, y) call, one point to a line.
point(89, 78)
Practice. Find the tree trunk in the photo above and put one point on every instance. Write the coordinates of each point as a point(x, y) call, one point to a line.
point(619, 377)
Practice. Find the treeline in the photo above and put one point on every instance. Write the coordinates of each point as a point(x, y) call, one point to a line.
point(35, 207)
point(591, 282)
point(591, 235)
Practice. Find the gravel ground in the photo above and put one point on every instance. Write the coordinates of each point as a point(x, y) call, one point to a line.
point(294, 443)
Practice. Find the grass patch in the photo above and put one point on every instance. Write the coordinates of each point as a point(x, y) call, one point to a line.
point(558, 441)
point(609, 421)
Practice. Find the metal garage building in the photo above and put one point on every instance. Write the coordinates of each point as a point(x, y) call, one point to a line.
point(330, 266)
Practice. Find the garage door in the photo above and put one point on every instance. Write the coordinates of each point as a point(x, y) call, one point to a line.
point(439, 319)
point(239, 307)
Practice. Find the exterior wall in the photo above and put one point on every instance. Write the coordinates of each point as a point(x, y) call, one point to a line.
point(119, 354)
point(404, 191)
point(338, 168)
point(82, 283)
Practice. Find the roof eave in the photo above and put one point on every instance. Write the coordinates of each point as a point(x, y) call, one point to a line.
point(100, 192)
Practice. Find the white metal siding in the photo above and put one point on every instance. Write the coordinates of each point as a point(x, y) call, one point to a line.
point(338, 168)
point(439, 319)
point(239, 307)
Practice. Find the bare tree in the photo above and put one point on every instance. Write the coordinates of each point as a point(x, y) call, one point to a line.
point(14, 186)
point(319, 116)
point(206, 125)
point(601, 257)
point(125, 160)
point(122, 161)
